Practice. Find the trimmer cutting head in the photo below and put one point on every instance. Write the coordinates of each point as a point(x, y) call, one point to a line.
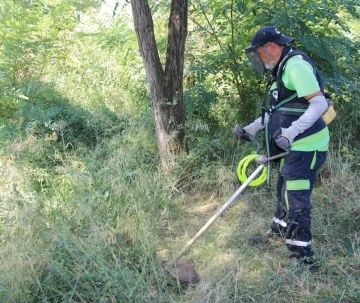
point(184, 273)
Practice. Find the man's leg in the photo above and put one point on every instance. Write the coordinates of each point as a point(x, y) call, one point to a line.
point(299, 171)
point(279, 224)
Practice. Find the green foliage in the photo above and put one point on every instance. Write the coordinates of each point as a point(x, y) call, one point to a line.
point(51, 118)
point(38, 29)
point(221, 31)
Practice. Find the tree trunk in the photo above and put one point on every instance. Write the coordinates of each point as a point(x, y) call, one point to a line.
point(166, 87)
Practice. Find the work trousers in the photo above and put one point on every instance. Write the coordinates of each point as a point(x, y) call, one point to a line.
point(293, 213)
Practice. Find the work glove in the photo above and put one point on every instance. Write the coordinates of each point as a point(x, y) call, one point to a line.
point(240, 133)
point(284, 137)
point(249, 131)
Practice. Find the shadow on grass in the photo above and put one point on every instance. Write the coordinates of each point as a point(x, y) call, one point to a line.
point(49, 117)
point(75, 124)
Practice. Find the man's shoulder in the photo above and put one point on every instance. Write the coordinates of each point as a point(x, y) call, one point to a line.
point(300, 75)
point(297, 60)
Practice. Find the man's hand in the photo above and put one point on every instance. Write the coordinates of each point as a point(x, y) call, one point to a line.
point(240, 133)
point(281, 140)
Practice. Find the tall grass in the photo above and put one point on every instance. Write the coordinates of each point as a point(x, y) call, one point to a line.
point(83, 228)
point(87, 216)
point(97, 224)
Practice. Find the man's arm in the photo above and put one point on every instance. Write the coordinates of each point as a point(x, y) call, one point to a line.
point(317, 106)
point(317, 102)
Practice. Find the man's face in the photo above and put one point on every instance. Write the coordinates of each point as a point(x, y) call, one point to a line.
point(266, 56)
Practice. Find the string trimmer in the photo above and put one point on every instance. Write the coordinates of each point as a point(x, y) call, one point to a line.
point(185, 272)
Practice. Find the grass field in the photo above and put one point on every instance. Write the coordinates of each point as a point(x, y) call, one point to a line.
point(97, 225)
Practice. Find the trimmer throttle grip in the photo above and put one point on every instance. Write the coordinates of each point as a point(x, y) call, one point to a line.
point(241, 134)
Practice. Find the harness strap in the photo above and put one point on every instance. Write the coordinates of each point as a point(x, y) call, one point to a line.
point(288, 99)
point(267, 143)
point(290, 109)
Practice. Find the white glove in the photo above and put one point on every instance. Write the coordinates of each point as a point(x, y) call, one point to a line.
point(286, 136)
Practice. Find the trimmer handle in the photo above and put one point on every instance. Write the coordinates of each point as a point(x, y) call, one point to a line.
point(241, 134)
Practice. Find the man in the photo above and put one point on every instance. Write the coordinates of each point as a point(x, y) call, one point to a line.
point(294, 124)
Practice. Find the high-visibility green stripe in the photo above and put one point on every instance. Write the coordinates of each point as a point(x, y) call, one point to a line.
point(297, 184)
point(318, 141)
point(324, 148)
point(282, 160)
point(313, 162)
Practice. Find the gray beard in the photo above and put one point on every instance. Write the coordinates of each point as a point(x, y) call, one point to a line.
point(269, 66)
